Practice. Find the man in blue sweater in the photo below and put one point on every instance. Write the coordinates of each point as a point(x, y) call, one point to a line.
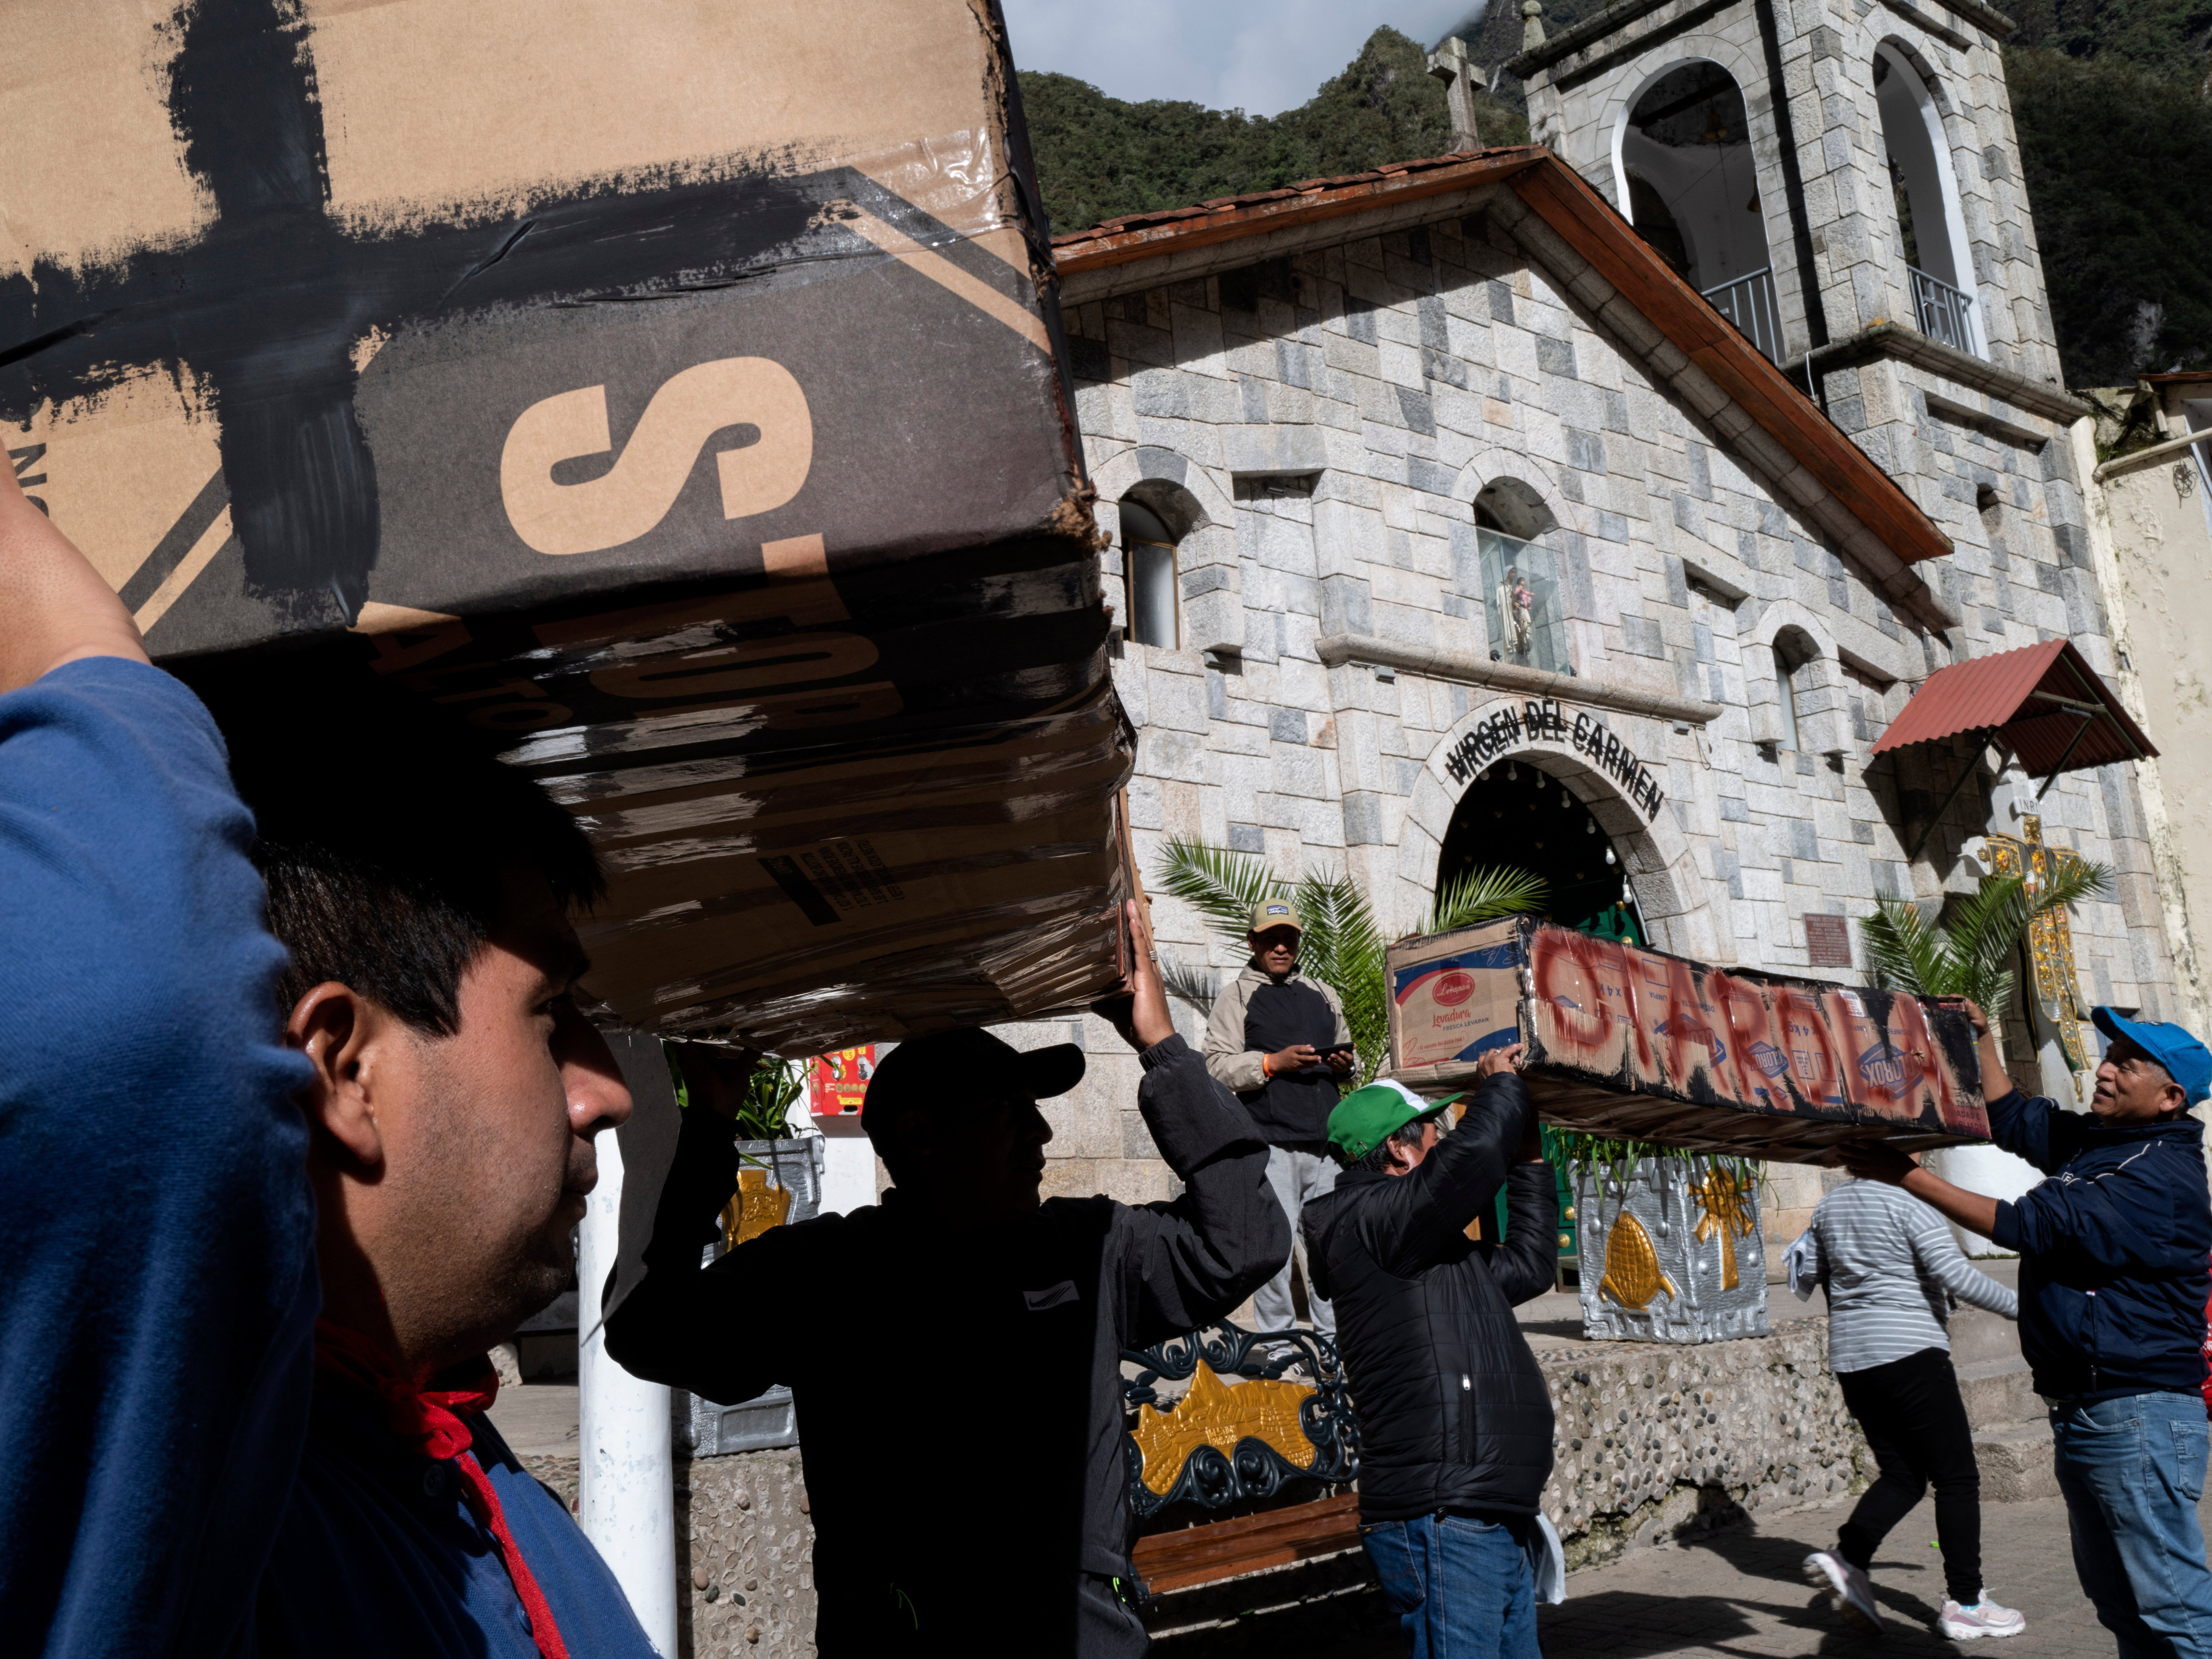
point(206, 1144)
point(2114, 1249)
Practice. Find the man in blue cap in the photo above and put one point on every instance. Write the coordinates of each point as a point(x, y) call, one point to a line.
point(2113, 1279)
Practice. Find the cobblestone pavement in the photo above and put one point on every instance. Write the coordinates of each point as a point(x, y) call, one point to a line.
point(1740, 1592)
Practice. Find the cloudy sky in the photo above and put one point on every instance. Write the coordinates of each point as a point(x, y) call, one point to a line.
point(1260, 55)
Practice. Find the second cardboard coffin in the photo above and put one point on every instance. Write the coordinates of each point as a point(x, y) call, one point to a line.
point(1638, 1044)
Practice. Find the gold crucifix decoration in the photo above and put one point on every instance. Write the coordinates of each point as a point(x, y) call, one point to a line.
point(1725, 1195)
point(2050, 938)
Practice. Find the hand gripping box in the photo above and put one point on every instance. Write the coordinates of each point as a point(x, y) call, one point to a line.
point(662, 388)
point(1636, 1043)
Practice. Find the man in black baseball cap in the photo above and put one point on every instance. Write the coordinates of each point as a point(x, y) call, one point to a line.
point(954, 1353)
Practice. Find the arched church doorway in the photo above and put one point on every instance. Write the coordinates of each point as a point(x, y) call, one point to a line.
point(1518, 816)
point(1692, 190)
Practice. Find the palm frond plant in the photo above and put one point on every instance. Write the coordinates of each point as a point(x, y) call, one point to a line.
point(1483, 895)
point(770, 1091)
point(1343, 946)
point(1971, 953)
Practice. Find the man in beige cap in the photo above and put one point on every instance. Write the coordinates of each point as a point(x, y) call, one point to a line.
point(1279, 1041)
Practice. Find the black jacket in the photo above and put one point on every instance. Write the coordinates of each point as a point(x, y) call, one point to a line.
point(959, 1400)
point(1453, 1411)
point(2113, 1249)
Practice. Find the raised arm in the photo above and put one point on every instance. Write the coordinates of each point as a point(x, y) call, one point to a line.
point(161, 1291)
point(58, 608)
point(1526, 1263)
point(688, 1326)
point(1193, 1259)
point(1940, 1259)
point(1419, 1216)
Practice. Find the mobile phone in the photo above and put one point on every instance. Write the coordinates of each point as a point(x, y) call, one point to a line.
point(1338, 1049)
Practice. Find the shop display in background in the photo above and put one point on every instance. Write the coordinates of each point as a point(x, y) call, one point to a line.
point(836, 1084)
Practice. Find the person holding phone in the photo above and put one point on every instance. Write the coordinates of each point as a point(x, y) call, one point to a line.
point(1278, 1041)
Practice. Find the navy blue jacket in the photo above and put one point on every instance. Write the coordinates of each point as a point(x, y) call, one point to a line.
point(167, 1488)
point(2114, 1249)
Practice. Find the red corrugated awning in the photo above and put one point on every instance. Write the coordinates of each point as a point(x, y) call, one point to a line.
point(2042, 701)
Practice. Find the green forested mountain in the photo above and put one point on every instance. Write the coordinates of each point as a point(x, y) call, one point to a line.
point(1099, 158)
point(2112, 99)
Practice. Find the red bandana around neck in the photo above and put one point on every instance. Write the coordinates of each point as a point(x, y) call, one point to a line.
point(433, 1423)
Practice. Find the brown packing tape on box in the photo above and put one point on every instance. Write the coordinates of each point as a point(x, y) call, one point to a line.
point(823, 822)
point(1635, 1043)
point(645, 388)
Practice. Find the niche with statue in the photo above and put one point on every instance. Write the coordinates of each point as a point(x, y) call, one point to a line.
point(1670, 1243)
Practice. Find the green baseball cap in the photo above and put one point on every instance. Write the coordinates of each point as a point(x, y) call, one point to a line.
point(1276, 913)
point(1367, 1117)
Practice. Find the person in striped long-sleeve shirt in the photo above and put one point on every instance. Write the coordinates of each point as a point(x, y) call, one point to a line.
point(1890, 1268)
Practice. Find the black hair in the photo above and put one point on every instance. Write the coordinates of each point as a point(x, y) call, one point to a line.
point(1406, 1134)
point(383, 827)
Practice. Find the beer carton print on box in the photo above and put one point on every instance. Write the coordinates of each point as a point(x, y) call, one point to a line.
point(1634, 1042)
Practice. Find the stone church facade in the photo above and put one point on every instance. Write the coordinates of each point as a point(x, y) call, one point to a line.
point(1331, 413)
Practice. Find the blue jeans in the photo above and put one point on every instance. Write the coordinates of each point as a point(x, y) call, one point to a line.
point(2132, 1470)
point(1461, 1588)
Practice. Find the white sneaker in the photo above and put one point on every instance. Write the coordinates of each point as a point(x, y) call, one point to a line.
point(1853, 1590)
point(1985, 1618)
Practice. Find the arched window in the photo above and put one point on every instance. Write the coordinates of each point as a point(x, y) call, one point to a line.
point(1792, 651)
point(1931, 230)
point(1693, 192)
point(1148, 565)
point(1524, 603)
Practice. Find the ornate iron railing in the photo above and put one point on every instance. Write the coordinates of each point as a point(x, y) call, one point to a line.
point(1748, 302)
point(1220, 1443)
point(1942, 313)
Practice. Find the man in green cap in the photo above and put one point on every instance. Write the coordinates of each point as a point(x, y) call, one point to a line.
point(1279, 1042)
point(1455, 1420)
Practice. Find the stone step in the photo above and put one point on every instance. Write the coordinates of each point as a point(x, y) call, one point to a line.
point(1998, 1391)
point(1979, 1337)
point(2015, 1461)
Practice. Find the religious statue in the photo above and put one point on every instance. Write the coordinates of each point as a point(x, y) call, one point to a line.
point(2057, 988)
point(1516, 606)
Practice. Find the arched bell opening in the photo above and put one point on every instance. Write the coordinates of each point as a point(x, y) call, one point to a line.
point(1930, 226)
point(1518, 816)
point(1690, 187)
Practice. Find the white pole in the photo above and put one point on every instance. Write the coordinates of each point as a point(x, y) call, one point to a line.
point(627, 1498)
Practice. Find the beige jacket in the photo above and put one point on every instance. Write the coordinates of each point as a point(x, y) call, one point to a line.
point(1233, 1066)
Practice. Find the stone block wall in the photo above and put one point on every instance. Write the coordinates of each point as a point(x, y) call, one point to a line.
point(1429, 364)
point(1651, 1439)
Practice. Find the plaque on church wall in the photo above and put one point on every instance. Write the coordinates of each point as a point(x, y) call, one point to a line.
point(1636, 1043)
point(674, 402)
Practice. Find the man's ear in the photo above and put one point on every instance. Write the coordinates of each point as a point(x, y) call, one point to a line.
point(347, 1038)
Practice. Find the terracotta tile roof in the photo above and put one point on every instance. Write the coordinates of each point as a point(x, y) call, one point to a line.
point(1304, 187)
point(1629, 268)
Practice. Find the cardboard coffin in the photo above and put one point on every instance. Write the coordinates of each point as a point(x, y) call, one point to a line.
point(1636, 1043)
point(649, 386)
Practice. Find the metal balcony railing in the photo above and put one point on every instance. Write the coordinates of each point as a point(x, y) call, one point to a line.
point(1942, 312)
point(1748, 302)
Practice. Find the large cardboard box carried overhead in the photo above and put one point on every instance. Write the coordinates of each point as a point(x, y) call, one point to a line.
point(1635, 1043)
point(674, 389)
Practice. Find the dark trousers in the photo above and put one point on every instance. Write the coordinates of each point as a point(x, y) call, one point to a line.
point(1916, 1426)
